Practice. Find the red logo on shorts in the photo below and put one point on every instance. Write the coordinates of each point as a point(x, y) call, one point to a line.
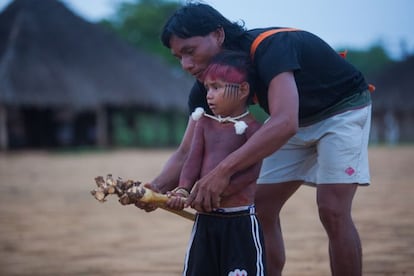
point(350, 171)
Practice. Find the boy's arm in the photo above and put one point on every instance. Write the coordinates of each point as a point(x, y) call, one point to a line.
point(190, 171)
point(193, 164)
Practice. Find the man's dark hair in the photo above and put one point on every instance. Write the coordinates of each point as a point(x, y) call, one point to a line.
point(197, 19)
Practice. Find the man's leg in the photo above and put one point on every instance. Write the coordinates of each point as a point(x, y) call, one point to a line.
point(334, 205)
point(269, 201)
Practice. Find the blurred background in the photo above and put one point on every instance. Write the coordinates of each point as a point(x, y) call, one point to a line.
point(86, 89)
point(93, 74)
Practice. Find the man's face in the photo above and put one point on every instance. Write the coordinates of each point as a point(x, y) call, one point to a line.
point(195, 52)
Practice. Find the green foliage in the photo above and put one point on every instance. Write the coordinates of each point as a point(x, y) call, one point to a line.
point(140, 23)
point(148, 129)
point(371, 61)
point(258, 113)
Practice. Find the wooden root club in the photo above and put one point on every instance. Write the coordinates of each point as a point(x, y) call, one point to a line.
point(132, 192)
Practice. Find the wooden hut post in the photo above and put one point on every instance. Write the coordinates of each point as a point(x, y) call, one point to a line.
point(3, 128)
point(102, 126)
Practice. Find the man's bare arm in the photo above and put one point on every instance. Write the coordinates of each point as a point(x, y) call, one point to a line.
point(282, 125)
point(192, 166)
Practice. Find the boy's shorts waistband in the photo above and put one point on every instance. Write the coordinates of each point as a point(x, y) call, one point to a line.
point(232, 211)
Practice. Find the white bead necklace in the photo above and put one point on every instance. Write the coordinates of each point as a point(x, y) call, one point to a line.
point(240, 126)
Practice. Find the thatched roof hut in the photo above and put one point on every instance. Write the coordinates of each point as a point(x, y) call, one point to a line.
point(393, 103)
point(50, 57)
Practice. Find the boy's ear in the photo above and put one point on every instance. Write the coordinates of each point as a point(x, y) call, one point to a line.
point(244, 90)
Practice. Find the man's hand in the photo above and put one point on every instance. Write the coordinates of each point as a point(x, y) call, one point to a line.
point(206, 193)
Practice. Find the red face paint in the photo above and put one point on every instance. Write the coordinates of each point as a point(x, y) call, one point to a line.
point(225, 73)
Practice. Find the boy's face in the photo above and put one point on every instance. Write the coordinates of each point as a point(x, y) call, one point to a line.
point(196, 52)
point(225, 99)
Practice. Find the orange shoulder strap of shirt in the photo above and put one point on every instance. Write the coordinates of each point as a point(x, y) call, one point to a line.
point(265, 34)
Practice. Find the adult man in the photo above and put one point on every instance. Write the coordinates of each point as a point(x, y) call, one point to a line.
point(317, 132)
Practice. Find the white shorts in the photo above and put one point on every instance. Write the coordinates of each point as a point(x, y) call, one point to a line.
point(332, 151)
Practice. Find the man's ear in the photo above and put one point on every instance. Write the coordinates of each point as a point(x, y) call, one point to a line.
point(244, 90)
point(220, 36)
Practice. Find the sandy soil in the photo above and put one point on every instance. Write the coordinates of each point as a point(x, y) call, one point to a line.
point(51, 225)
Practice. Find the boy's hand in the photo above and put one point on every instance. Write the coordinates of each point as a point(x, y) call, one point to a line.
point(177, 199)
point(147, 207)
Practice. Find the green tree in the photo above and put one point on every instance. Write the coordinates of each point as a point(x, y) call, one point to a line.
point(140, 24)
point(371, 61)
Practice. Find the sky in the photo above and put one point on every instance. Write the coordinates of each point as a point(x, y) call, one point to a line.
point(345, 24)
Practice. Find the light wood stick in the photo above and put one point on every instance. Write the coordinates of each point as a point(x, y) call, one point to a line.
point(181, 213)
point(149, 196)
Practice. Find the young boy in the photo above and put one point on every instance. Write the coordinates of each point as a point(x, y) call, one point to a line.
point(228, 240)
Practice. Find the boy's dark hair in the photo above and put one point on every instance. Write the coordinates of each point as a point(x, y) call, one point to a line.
point(197, 19)
point(232, 66)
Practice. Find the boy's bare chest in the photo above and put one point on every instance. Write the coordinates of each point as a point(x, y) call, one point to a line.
point(223, 136)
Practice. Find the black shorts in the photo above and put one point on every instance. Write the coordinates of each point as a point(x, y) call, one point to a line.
point(225, 242)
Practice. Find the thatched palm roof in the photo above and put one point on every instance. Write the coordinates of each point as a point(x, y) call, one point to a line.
point(395, 87)
point(51, 57)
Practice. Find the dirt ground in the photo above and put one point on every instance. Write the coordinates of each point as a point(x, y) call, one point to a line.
point(51, 225)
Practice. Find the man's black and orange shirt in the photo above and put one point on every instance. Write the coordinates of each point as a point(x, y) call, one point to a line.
point(327, 83)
